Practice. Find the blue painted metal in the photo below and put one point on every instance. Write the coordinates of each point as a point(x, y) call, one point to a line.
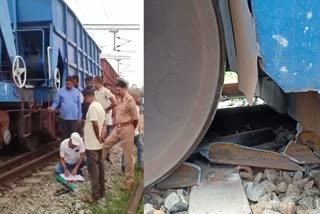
point(0, 51)
point(288, 37)
point(6, 30)
point(8, 92)
point(29, 28)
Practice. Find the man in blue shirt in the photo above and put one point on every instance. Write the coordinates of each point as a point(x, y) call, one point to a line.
point(68, 99)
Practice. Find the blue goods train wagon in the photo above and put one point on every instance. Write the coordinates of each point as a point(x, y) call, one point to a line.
point(288, 37)
point(41, 43)
point(287, 33)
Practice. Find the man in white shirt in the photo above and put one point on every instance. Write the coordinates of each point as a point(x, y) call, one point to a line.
point(71, 156)
point(92, 137)
point(106, 99)
point(109, 119)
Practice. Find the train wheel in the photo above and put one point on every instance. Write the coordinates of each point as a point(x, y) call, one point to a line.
point(5, 134)
point(184, 64)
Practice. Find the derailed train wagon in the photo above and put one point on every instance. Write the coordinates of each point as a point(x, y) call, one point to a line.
point(41, 43)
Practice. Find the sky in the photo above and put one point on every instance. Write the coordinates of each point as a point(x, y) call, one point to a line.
point(116, 12)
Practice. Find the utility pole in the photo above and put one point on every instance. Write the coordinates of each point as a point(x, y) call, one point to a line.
point(118, 71)
point(118, 59)
point(113, 28)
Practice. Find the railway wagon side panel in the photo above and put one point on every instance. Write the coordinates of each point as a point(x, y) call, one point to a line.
point(63, 46)
point(290, 58)
point(109, 75)
point(42, 10)
point(73, 45)
point(290, 55)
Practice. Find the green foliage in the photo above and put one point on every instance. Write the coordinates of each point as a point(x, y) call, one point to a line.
point(134, 89)
point(117, 200)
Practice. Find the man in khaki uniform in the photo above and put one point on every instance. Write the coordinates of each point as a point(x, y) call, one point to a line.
point(126, 122)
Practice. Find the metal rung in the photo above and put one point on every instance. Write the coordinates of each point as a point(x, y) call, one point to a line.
point(37, 79)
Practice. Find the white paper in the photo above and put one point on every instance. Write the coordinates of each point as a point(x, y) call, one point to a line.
point(72, 178)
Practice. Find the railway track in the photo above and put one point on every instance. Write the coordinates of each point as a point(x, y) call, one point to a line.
point(24, 164)
point(214, 177)
point(135, 198)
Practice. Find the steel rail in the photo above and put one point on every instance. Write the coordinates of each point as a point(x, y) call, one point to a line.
point(135, 198)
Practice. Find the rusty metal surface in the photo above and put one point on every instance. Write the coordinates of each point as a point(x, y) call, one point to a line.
point(135, 198)
point(27, 167)
point(228, 153)
point(309, 139)
point(187, 175)
point(109, 75)
point(244, 172)
point(4, 125)
point(184, 64)
point(301, 153)
point(223, 193)
point(15, 159)
point(231, 90)
point(48, 122)
point(25, 163)
point(304, 107)
point(248, 138)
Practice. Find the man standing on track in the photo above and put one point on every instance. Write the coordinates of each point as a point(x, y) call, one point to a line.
point(68, 98)
point(108, 102)
point(106, 99)
point(110, 114)
point(126, 122)
point(92, 135)
point(137, 140)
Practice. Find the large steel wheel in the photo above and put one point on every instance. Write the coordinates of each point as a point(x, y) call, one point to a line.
point(184, 67)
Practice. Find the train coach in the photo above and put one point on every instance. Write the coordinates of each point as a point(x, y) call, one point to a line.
point(41, 43)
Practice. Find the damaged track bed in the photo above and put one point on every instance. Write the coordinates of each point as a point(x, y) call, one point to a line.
point(253, 150)
point(24, 164)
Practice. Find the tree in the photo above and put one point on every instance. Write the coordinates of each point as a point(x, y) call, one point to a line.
point(134, 89)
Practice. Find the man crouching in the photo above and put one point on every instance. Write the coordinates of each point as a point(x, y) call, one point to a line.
point(71, 156)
